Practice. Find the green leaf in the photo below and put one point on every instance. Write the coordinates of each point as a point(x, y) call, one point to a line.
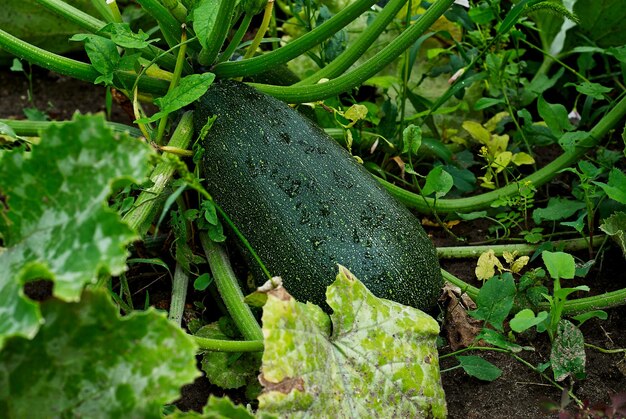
point(86, 361)
point(494, 338)
point(599, 314)
point(187, 91)
point(602, 21)
point(555, 116)
point(568, 352)
point(560, 265)
point(123, 36)
point(411, 139)
point(479, 367)
point(570, 140)
point(227, 369)
point(616, 187)
point(615, 226)
point(204, 19)
point(56, 224)
point(439, 182)
point(495, 300)
point(595, 90)
point(202, 282)
point(379, 351)
point(487, 102)
point(557, 209)
point(526, 319)
point(102, 53)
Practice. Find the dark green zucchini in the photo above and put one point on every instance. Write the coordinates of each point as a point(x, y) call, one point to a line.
point(305, 205)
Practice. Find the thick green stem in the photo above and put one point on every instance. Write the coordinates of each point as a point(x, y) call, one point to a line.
point(170, 27)
point(178, 71)
point(73, 68)
point(149, 201)
point(345, 82)
point(34, 128)
point(74, 15)
point(177, 9)
point(358, 48)
point(219, 30)
point(218, 345)
point(296, 48)
point(104, 10)
point(458, 252)
point(236, 40)
point(260, 33)
point(228, 287)
point(179, 295)
point(579, 305)
point(538, 178)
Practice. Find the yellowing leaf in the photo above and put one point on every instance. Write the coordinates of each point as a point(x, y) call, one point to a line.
point(477, 131)
point(487, 262)
point(501, 161)
point(522, 158)
point(371, 358)
point(356, 112)
point(498, 143)
point(517, 266)
point(495, 120)
point(509, 257)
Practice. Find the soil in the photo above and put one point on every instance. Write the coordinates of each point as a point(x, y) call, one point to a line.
point(518, 393)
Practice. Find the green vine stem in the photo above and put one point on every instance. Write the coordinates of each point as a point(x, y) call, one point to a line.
point(296, 48)
point(178, 71)
point(147, 204)
point(458, 252)
point(579, 305)
point(260, 33)
point(217, 35)
point(237, 37)
point(179, 295)
point(170, 27)
point(177, 9)
point(358, 48)
point(34, 128)
point(218, 345)
point(72, 14)
point(345, 82)
point(105, 12)
point(93, 25)
point(538, 178)
point(228, 287)
point(73, 68)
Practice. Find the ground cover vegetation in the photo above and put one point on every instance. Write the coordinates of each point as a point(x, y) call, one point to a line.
point(504, 117)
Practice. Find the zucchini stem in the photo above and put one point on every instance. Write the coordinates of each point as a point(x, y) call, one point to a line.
point(296, 48)
point(358, 48)
point(228, 287)
point(347, 81)
point(260, 33)
point(179, 295)
point(217, 36)
point(579, 305)
point(219, 345)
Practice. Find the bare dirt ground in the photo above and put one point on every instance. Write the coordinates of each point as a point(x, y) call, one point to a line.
point(518, 393)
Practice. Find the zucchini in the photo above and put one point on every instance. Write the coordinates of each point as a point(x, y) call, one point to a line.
point(305, 205)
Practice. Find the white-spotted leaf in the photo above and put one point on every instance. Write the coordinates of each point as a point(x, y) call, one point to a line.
point(86, 361)
point(55, 223)
point(379, 361)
